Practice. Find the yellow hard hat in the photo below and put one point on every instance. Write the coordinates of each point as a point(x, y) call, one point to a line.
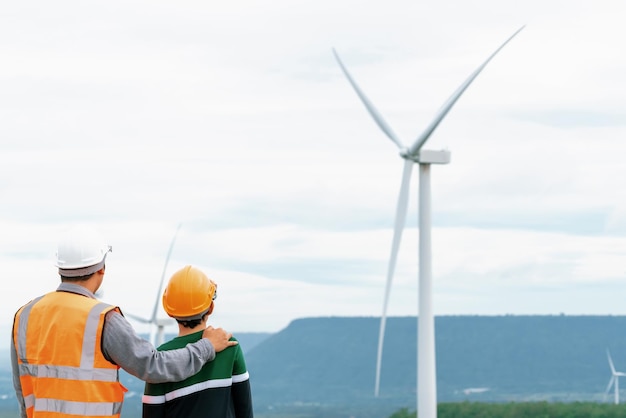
point(189, 294)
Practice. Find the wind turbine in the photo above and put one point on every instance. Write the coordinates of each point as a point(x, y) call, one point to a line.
point(614, 381)
point(426, 375)
point(157, 325)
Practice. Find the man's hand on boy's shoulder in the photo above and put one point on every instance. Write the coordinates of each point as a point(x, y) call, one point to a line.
point(219, 338)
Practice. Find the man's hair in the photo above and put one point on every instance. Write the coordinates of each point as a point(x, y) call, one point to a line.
point(193, 322)
point(65, 279)
point(84, 278)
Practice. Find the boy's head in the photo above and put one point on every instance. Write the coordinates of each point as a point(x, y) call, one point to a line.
point(189, 295)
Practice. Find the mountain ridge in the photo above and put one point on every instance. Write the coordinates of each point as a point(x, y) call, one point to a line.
point(513, 357)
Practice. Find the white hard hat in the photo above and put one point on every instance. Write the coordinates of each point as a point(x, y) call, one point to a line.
point(81, 251)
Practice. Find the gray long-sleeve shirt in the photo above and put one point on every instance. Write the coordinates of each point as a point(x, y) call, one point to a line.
point(122, 346)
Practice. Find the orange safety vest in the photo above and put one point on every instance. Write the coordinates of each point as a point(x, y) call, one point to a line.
point(62, 370)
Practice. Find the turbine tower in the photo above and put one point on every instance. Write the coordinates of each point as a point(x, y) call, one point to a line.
point(157, 325)
point(426, 374)
point(614, 381)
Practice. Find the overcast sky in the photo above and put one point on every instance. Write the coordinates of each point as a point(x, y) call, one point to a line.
point(234, 120)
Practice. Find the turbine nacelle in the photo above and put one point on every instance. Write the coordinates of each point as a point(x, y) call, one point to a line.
point(163, 322)
point(427, 156)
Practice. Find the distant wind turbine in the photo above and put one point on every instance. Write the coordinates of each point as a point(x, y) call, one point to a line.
point(614, 381)
point(157, 325)
point(426, 375)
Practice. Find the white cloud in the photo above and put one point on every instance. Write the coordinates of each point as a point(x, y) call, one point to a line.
point(236, 120)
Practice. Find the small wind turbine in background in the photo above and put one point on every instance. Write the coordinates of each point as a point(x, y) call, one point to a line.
point(614, 381)
point(426, 375)
point(157, 325)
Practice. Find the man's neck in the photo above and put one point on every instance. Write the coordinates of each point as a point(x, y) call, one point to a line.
point(186, 331)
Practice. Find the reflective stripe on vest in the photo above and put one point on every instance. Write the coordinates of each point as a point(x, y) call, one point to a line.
point(20, 344)
point(79, 408)
point(104, 379)
point(72, 373)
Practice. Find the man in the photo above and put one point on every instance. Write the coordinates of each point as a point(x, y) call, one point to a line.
point(222, 388)
point(67, 347)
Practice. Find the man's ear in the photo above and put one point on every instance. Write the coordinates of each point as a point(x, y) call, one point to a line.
point(211, 308)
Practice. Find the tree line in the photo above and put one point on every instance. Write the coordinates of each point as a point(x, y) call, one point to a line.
point(522, 410)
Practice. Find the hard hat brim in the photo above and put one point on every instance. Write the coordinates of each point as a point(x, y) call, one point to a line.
point(196, 317)
point(83, 271)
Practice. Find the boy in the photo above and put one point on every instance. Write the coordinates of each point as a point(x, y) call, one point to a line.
point(222, 388)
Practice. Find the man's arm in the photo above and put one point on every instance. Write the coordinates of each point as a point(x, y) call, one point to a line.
point(17, 384)
point(122, 346)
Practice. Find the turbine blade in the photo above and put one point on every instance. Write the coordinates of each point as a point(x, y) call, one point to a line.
point(608, 388)
point(608, 354)
point(414, 150)
point(369, 106)
point(167, 259)
point(403, 202)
